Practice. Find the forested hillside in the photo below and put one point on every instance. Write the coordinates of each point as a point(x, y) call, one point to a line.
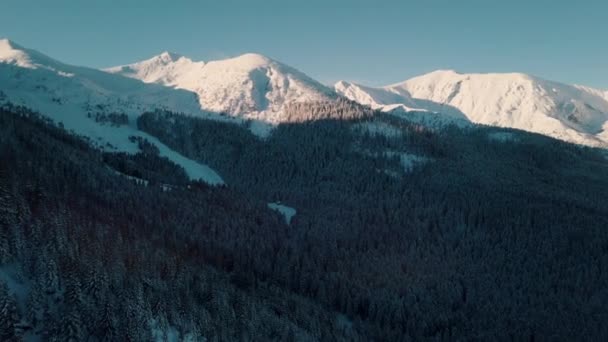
point(401, 233)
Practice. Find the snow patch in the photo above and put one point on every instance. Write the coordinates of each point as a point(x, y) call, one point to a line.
point(287, 212)
point(195, 170)
point(261, 129)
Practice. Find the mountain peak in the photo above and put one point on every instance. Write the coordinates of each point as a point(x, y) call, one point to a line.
point(446, 72)
point(7, 45)
point(248, 61)
point(168, 56)
point(251, 85)
point(12, 53)
point(163, 59)
point(5, 42)
point(342, 84)
point(252, 56)
point(515, 100)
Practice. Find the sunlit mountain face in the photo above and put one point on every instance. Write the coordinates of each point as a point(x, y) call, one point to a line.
point(241, 200)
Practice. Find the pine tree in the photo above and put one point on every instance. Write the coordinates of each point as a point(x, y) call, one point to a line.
point(36, 304)
point(71, 327)
point(7, 215)
point(107, 325)
point(9, 316)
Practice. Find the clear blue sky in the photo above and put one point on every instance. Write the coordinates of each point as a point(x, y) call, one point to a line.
point(373, 42)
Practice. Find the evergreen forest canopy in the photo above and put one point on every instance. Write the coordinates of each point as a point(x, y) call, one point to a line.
point(401, 233)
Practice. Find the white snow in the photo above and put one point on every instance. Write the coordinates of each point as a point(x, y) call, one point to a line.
point(11, 54)
point(249, 86)
point(67, 93)
point(167, 68)
point(573, 113)
point(401, 105)
point(195, 170)
point(375, 98)
point(287, 212)
point(257, 88)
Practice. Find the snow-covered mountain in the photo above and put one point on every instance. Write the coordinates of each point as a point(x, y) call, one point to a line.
point(572, 113)
point(416, 110)
point(255, 87)
point(250, 86)
point(77, 97)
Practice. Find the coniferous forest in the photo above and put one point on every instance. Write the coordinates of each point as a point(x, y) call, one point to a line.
point(402, 233)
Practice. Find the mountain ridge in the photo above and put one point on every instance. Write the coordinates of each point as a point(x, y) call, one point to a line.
point(259, 89)
point(572, 113)
point(92, 103)
point(250, 85)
